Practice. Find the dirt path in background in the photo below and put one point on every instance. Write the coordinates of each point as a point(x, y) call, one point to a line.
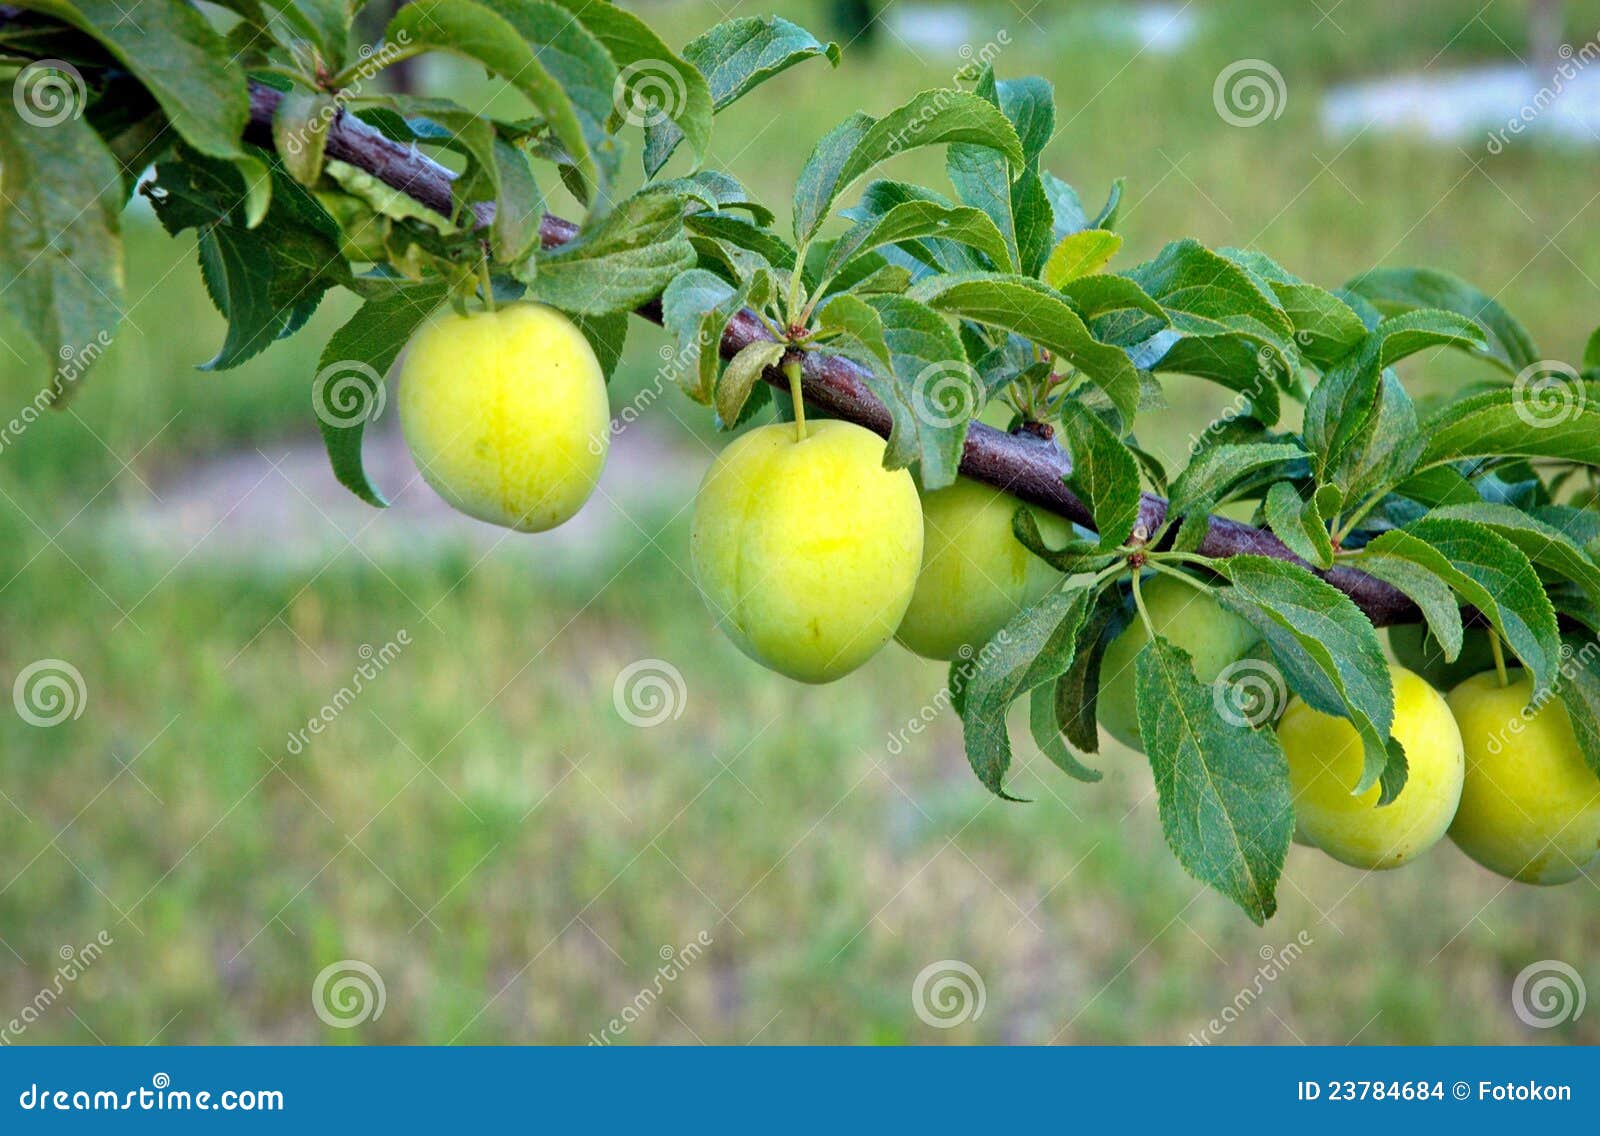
point(279, 508)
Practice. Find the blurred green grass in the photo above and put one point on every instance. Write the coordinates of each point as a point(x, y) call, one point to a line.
point(483, 828)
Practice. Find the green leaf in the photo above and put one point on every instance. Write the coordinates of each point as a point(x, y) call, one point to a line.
point(508, 37)
point(735, 57)
point(237, 269)
point(182, 62)
point(1341, 410)
point(856, 332)
point(1328, 650)
point(1105, 474)
point(325, 24)
point(1441, 485)
point(1580, 692)
point(1078, 689)
point(860, 142)
point(717, 191)
point(353, 363)
point(741, 374)
point(1047, 735)
point(1218, 470)
point(626, 258)
point(1080, 254)
point(1544, 544)
point(1492, 574)
point(1073, 558)
point(659, 85)
point(300, 132)
point(606, 335)
point(930, 391)
point(1020, 207)
point(1034, 648)
point(1384, 452)
point(1299, 525)
point(1223, 789)
point(1325, 327)
point(1224, 326)
point(913, 220)
point(1099, 295)
point(1394, 290)
point(1035, 312)
point(728, 239)
point(60, 249)
point(1517, 422)
point(696, 307)
point(1425, 575)
point(499, 171)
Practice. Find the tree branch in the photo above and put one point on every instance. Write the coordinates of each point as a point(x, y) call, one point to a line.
point(1032, 468)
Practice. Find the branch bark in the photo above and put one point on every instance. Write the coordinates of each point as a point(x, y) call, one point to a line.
point(1023, 464)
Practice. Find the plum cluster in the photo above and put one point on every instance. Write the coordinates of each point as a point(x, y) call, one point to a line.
point(812, 556)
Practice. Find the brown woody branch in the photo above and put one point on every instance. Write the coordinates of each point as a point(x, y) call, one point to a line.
point(1032, 468)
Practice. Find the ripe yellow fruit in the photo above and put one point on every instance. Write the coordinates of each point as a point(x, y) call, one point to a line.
point(807, 552)
point(975, 573)
point(506, 414)
point(1417, 650)
point(1325, 760)
point(1531, 807)
point(1212, 636)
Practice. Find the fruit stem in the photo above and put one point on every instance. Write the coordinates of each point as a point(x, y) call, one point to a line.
point(1138, 602)
point(1499, 658)
point(486, 283)
point(791, 368)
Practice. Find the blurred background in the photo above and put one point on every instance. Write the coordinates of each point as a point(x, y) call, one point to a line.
point(548, 791)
